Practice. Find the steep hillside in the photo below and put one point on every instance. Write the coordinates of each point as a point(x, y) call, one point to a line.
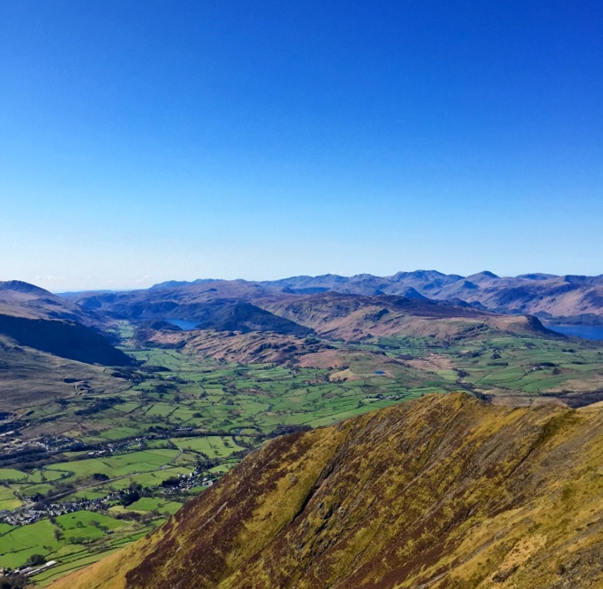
point(63, 338)
point(33, 317)
point(49, 348)
point(30, 377)
point(444, 492)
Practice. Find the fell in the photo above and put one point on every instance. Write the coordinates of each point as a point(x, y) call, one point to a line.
point(444, 492)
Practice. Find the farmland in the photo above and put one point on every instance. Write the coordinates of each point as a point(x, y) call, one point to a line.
point(86, 474)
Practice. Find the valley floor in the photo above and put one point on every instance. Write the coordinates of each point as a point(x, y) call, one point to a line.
point(88, 473)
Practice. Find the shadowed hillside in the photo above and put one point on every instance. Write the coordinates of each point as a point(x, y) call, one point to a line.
point(246, 317)
point(48, 348)
point(64, 339)
point(442, 492)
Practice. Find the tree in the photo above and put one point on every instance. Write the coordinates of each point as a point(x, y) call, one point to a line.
point(129, 498)
point(35, 560)
point(13, 582)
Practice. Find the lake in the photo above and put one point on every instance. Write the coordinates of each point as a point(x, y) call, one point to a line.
point(183, 324)
point(584, 331)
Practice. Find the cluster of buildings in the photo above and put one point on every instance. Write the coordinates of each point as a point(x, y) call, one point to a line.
point(41, 510)
point(381, 396)
point(30, 571)
point(11, 444)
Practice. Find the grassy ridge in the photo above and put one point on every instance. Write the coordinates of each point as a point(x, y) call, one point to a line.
point(444, 492)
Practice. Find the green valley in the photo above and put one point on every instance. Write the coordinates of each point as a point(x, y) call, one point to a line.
point(114, 466)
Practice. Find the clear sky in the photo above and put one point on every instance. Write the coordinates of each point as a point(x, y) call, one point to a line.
point(142, 141)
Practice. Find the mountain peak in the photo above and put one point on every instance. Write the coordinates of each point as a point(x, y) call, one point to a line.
point(23, 287)
point(484, 275)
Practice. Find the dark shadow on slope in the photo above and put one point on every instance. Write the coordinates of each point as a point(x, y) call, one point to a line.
point(65, 339)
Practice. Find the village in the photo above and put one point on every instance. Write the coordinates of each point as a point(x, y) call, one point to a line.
point(177, 485)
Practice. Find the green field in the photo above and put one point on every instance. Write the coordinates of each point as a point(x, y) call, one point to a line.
point(68, 538)
point(187, 414)
point(117, 466)
point(210, 446)
point(8, 501)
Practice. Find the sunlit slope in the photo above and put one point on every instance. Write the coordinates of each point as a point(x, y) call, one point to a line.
point(442, 492)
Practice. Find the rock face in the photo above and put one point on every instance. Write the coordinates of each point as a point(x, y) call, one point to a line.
point(444, 492)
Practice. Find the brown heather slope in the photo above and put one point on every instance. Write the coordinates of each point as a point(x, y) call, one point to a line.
point(445, 492)
point(245, 348)
point(355, 317)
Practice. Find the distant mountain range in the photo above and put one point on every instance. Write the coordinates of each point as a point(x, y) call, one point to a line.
point(275, 321)
point(572, 299)
point(421, 303)
point(341, 313)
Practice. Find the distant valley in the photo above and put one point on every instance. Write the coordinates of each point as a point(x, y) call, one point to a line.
point(121, 407)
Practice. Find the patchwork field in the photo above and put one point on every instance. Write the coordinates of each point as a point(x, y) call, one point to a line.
point(86, 474)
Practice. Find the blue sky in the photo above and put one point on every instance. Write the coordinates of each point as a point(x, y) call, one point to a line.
point(145, 141)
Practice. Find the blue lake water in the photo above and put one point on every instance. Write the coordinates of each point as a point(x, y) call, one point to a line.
point(584, 331)
point(183, 324)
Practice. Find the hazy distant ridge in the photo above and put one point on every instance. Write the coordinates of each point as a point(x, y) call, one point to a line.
point(570, 297)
